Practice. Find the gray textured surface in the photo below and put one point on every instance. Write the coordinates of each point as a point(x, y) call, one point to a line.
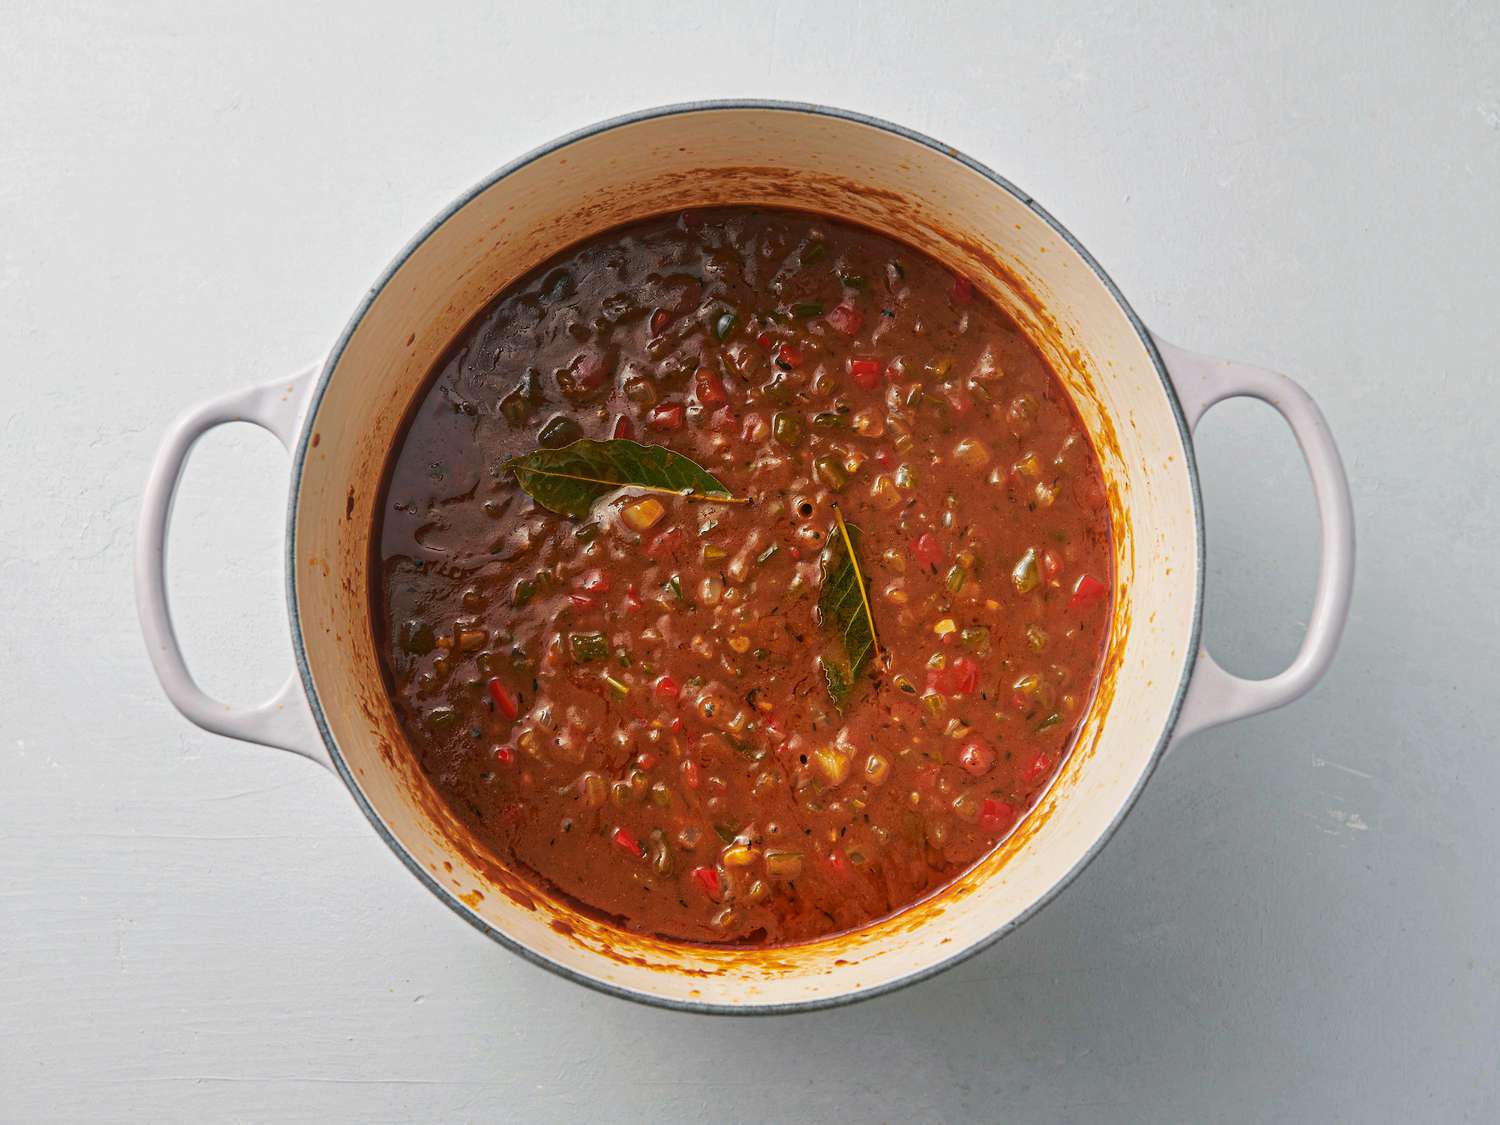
point(1299, 921)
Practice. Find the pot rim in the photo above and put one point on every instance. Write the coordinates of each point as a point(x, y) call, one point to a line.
point(299, 461)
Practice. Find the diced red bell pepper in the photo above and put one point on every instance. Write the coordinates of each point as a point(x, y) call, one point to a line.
point(629, 843)
point(690, 773)
point(1087, 591)
point(667, 416)
point(675, 726)
point(708, 879)
point(581, 601)
point(764, 340)
point(667, 687)
point(709, 388)
point(505, 755)
point(963, 290)
point(1037, 769)
point(595, 582)
point(883, 458)
point(632, 599)
point(961, 677)
point(504, 701)
point(659, 321)
point(845, 319)
point(788, 356)
point(1051, 565)
point(624, 427)
point(925, 549)
point(995, 815)
point(865, 372)
point(838, 861)
point(646, 760)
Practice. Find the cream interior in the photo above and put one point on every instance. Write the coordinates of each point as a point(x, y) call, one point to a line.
point(787, 157)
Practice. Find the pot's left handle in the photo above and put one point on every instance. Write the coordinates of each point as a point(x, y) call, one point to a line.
point(284, 721)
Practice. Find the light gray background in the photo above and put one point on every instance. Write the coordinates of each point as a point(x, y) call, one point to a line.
point(1298, 921)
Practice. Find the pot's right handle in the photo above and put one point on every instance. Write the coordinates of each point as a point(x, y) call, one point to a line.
point(284, 721)
point(1215, 696)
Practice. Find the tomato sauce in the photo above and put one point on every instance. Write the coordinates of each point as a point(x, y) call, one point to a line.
point(643, 709)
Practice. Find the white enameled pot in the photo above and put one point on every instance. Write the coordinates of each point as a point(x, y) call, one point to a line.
point(1139, 397)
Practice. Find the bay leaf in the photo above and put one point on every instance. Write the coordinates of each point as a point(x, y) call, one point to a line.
point(844, 611)
point(570, 479)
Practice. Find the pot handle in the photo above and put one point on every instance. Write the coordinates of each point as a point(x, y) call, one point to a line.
point(284, 721)
point(1215, 696)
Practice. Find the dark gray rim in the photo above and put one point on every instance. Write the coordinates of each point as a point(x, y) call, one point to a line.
point(299, 459)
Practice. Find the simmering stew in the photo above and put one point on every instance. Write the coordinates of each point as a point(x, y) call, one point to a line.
point(742, 575)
